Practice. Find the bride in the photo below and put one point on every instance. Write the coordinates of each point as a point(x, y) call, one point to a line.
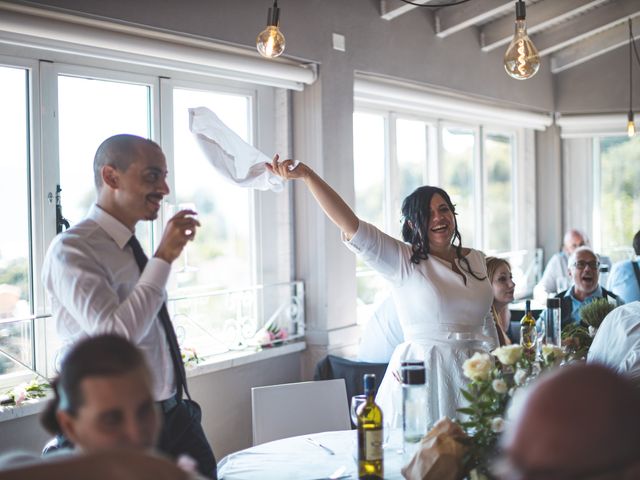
point(440, 289)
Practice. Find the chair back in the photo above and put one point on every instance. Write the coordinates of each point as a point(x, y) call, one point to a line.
point(351, 371)
point(280, 411)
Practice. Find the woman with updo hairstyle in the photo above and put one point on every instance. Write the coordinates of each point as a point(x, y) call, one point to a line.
point(499, 273)
point(440, 288)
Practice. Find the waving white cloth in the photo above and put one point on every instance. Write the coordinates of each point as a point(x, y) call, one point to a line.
point(233, 158)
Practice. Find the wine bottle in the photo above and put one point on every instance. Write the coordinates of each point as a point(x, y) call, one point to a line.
point(370, 434)
point(528, 333)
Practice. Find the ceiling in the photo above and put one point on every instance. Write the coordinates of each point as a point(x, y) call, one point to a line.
point(570, 32)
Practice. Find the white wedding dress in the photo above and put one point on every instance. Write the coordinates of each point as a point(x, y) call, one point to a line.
point(444, 319)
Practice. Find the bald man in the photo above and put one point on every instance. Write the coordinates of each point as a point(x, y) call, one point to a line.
point(99, 280)
point(581, 422)
point(556, 274)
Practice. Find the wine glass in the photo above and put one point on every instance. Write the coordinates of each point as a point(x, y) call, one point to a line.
point(356, 401)
point(185, 253)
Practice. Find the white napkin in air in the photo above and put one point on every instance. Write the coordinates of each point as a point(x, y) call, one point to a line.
point(233, 158)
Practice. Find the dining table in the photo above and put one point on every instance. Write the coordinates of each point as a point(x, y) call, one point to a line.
point(316, 456)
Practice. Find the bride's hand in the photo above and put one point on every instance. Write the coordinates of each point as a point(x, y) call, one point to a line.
point(287, 169)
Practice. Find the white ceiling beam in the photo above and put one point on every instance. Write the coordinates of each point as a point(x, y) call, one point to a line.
point(390, 9)
point(585, 26)
point(592, 47)
point(540, 16)
point(453, 19)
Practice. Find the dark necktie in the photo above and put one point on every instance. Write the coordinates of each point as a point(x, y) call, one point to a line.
point(165, 320)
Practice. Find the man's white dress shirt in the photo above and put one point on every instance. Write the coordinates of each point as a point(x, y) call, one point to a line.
point(95, 287)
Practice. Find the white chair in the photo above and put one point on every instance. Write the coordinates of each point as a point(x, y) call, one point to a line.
point(280, 411)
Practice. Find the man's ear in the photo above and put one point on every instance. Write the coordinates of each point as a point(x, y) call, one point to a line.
point(67, 425)
point(110, 176)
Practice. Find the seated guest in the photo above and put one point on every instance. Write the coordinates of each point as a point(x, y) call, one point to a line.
point(381, 335)
point(581, 422)
point(583, 268)
point(624, 279)
point(556, 276)
point(617, 342)
point(103, 400)
point(499, 274)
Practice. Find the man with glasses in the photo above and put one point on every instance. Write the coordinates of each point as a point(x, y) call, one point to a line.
point(584, 267)
point(581, 422)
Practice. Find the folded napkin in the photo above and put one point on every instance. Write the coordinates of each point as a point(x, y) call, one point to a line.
point(440, 454)
point(233, 158)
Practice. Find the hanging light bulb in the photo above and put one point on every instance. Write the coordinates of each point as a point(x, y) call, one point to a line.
point(631, 126)
point(521, 60)
point(270, 41)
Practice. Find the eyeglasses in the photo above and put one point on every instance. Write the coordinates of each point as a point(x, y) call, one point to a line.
point(581, 265)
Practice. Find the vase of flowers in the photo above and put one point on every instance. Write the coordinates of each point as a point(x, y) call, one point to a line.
point(494, 379)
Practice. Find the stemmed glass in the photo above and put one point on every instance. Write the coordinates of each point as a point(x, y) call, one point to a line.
point(356, 401)
point(185, 253)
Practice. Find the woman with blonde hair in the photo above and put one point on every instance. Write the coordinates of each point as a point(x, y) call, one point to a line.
point(499, 274)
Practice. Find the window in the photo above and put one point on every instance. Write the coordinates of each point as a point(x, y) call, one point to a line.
point(219, 294)
point(618, 203)
point(394, 153)
point(16, 305)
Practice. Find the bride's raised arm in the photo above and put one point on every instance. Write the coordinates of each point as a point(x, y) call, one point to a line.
point(333, 205)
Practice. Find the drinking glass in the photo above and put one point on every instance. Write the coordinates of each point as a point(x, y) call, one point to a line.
point(356, 401)
point(185, 253)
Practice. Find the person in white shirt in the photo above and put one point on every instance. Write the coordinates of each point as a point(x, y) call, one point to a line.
point(99, 280)
point(556, 277)
point(617, 342)
point(381, 335)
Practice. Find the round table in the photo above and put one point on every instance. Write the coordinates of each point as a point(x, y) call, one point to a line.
point(297, 458)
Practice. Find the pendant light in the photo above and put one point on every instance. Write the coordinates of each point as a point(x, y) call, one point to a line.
point(521, 60)
point(631, 126)
point(270, 42)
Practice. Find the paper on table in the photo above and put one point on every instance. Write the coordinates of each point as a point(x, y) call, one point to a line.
point(233, 158)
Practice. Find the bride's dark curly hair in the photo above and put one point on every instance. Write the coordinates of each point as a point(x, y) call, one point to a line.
point(416, 215)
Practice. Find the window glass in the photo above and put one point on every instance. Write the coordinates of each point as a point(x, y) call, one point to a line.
point(221, 255)
point(619, 164)
point(412, 157)
point(498, 205)
point(458, 147)
point(90, 111)
point(15, 271)
point(369, 151)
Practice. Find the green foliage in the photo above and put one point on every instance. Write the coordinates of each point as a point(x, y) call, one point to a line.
point(593, 313)
point(577, 338)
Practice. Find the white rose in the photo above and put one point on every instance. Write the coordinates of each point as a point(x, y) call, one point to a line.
point(592, 331)
point(497, 424)
point(500, 386)
point(552, 351)
point(520, 376)
point(509, 354)
point(478, 367)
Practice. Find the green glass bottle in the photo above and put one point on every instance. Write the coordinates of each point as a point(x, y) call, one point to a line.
point(370, 434)
point(528, 333)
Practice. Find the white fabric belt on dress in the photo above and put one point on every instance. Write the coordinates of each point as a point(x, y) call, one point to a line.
point(446, 331)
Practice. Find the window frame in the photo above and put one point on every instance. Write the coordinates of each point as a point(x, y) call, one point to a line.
point(44, 172)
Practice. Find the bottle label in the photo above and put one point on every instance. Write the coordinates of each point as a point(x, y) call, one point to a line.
point(373, 444)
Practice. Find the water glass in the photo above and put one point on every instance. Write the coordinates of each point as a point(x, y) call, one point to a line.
point(356, 401)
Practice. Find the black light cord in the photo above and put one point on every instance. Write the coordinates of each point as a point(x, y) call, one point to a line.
point(633, 42)
point(426, 5)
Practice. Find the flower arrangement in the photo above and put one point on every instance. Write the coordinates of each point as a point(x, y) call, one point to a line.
point(577, 338)
point(270, 335)
point(189, 356)
point(26, 391)
point(494, 379)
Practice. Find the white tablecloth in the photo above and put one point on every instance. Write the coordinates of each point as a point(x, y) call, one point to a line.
point(296, 458)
